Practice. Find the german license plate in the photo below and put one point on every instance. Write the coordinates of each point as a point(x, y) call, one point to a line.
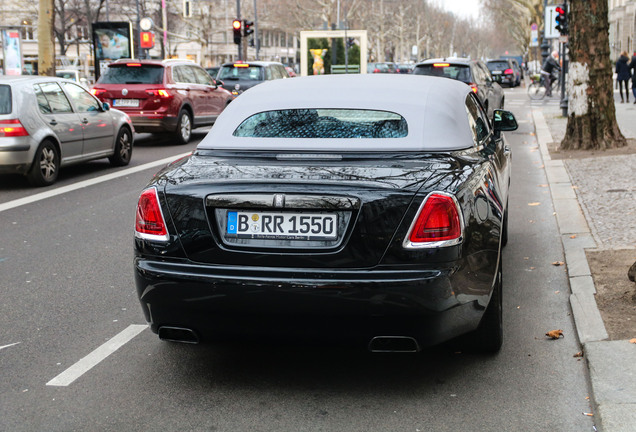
point(126, 102)
point(284, 226)
point(496, 72)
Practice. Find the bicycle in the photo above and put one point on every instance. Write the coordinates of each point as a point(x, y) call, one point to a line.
point(536, 90)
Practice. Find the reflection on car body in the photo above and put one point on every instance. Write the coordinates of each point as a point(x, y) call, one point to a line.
point(359, 217)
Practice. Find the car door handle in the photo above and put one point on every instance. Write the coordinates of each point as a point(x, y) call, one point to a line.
point(506, 149)
point(53, 122)
point(84, 121)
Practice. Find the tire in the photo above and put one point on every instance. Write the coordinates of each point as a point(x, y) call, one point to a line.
point(504, 229)
point(488, 337)
point(536, 91)
point(184, 127)
point(46, 165)
point(123, 148)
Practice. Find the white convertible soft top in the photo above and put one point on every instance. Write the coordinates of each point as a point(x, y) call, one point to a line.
point(434, 108)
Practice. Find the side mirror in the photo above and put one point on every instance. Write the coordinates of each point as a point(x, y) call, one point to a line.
point(105, 106)
point(504, 121)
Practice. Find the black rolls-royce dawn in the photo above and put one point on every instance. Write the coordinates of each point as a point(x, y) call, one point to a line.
point(329, 207)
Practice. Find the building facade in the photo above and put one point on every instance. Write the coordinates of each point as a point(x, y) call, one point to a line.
point(622, 19)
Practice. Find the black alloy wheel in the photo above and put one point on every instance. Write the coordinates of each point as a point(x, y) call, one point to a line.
point(46, 165)
point(123, 148)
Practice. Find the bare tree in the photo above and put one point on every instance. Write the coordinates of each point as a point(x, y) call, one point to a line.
point(592, 115)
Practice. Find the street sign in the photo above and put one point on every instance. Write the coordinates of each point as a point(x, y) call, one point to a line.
point(534, 35)
point(550, 23)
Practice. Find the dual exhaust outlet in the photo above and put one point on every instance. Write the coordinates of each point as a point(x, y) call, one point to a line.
point(378, 344)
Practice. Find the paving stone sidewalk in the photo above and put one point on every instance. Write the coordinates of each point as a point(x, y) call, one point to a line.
point(600, 212)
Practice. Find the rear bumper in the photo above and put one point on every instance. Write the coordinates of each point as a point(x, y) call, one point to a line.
point(227, 303)
point(16, 155)
point(153, 123)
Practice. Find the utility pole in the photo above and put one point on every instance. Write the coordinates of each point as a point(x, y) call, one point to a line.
point(238, 17)
point(46, 45)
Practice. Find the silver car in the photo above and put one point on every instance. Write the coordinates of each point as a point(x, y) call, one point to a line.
point(47, 123)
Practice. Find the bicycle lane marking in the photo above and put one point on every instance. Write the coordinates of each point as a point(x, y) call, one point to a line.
point(86, 183)
point(97, 356)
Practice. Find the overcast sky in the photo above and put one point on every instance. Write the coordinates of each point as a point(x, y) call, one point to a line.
point(463, 8)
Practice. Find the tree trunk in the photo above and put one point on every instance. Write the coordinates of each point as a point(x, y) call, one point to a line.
point(46, 45)
point(592, 115)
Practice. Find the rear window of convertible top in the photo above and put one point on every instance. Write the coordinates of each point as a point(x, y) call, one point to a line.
point(323, 123)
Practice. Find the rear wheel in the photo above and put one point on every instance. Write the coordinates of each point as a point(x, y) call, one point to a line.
point(184, 127)
point(123, 148)
point(488, 337)
point(46, 165)
point(536, 90)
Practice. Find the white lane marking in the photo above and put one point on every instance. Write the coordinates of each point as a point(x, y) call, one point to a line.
point(64, 189)
point(94, 358)
point(7, 346)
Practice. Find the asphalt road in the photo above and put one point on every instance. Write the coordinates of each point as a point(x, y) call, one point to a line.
point(75, 355)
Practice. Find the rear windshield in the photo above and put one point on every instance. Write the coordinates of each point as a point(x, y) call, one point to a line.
point(323, 123)
point(497, 65)
point(243, 72)
point(458, 72)
point(5, 99)
point(123, 74)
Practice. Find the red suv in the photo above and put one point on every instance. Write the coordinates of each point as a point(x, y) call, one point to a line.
point(163, 95)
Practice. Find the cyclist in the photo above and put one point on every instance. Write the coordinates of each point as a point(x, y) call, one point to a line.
point(549, 71)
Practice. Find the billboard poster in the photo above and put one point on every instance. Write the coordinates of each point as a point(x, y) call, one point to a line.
point(12, 52)
point(111, 41)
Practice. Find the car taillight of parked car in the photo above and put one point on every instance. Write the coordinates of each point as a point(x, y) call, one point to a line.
point(474, 87)
point(12, 128)
point(163, 93)
point(97, 91)
point(508, 71)
point(437, 220)
point(149, 222)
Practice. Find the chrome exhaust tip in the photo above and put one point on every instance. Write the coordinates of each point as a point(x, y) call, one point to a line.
point(405, 344)
point(178, 334)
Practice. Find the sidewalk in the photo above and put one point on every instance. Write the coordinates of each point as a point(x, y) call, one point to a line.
point(586, 221)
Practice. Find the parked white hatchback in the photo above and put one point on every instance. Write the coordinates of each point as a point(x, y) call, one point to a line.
point(47, 123)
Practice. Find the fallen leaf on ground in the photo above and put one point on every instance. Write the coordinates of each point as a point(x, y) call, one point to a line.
point(578, 354)
point(534, 203)
point(558, 263)
point(554, 334)
point(632, 341)
point(573, 236)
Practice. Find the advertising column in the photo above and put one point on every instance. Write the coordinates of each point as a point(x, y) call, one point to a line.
point(12, 52)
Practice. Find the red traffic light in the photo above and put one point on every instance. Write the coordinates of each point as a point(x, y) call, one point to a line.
point(236, 24)
point(560, 10)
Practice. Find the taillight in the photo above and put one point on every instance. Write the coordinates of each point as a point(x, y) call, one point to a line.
point(508, 72)
point(438, 223)
point(12, 128)
point(149, 222)
point(376, 70)
point(97, 91)
point(163, 93)
point(473, 87)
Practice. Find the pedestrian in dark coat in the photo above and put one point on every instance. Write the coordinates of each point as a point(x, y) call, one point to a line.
point(623, 74)
point(632, 66)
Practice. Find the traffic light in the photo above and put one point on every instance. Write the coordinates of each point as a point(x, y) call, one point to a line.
point(562, 19)
point(248, 27)
point(236, 28)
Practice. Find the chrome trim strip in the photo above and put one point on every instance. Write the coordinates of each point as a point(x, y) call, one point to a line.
point(323, 202)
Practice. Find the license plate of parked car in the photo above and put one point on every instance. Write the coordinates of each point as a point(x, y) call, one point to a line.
point(126, 102)
point(288, 226)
